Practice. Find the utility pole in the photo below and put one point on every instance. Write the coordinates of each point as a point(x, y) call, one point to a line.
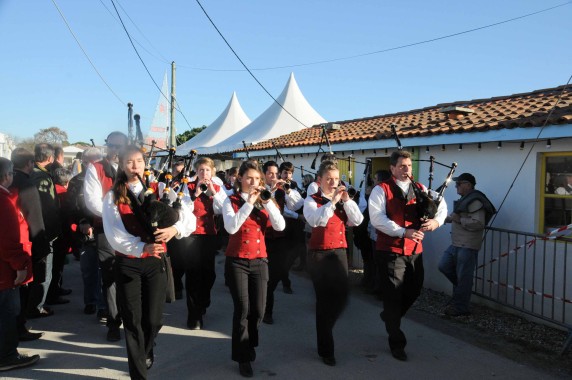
point(130, 122)
point(172, 129)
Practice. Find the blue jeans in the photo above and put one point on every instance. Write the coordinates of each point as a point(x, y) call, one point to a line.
point(9, 310)
point(458, 265)
point(91, 275)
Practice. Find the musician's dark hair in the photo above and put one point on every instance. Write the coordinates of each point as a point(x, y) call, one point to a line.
point(43, 152)
point(58, 151)
point(21, 157)
point(288, 166)
point(120, 185)
point(62, 176)
point(5, 166)
point(269, 164)
point(246, 166)
point(396, 155)
point(232, 171)
point(326, 166)
point(329, 157)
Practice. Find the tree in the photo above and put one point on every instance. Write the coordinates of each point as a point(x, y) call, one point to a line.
point(187, 135)
point(52, 135)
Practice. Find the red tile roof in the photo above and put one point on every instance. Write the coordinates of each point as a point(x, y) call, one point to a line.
point(520, 110)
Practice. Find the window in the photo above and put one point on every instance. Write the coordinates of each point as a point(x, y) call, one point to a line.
point(556, 191)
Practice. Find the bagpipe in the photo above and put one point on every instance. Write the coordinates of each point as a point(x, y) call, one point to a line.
point(427, 203)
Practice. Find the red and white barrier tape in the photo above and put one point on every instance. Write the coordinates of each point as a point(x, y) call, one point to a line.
point(530, 291)
point(554, 234)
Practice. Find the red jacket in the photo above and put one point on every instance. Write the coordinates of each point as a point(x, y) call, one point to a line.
point(248, 241)
point(15, 246)
point(402, 212)
point(333, 236)
point(204, 211)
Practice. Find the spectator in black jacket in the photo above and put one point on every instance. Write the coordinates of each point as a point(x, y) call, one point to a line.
point(29, 204)
point(44, 155)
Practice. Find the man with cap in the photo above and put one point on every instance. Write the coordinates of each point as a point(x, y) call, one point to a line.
point(470, 215)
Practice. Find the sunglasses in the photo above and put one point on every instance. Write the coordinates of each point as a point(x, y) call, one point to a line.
point(457, 184)
point(114, 146)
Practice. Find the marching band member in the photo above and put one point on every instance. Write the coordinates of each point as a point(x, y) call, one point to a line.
point(276, 241)
point(200, 276)
point(246, 217)
point(139, 270)
point(328, 211)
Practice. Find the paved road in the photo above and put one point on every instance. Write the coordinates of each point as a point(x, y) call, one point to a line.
point(74, 344)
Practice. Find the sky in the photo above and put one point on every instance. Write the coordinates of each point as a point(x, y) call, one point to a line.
point(46, 80)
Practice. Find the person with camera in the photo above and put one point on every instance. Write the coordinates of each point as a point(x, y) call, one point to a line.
point(202, 247)
point(248, 214)
point(328, 211)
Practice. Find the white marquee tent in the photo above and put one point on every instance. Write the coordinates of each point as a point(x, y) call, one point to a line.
point(230, 121)
point(274, 121)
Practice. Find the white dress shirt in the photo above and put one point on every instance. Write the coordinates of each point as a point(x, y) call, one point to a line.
point(233, 221)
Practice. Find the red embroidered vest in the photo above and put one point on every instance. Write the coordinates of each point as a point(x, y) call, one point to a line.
point(402, 212)
point(333, 236)
point(248, 241)
point(135, 226)
point(204, 211)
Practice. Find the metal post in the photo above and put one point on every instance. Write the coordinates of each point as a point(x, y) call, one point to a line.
point(172, 129)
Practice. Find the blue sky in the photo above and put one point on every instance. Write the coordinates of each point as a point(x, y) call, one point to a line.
point(46, 80)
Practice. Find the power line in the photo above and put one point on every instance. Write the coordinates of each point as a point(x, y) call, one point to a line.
point(383, 50)
point(531, 148)
point(177, 107)
point(86, 55)
point(161, 57)
point(246, 67)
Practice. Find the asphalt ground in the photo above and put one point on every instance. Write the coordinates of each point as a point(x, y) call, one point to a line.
point(74, 344)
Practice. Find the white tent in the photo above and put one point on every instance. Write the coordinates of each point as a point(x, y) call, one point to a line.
point(274, 121)
point(230, 121)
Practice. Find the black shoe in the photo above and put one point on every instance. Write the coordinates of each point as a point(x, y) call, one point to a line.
point(28, 336)
point(268, 319)
point(18, 362)
point(399, 354)
point(178, 294)
point(329, 360)
point(195, 324)
point(89, 309)
point(287, 289)
point(64, 292)
point(245, 369)
point(57, 301)
point(113, 334)
point(42, 313)
point(150, 359)
point(452, 312)
point(102, 315)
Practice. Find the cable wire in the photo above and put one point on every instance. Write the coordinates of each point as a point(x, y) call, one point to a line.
point(177, 107)
point(531, 148)
point(246, 67)
point(388, 49)
point(86, 55)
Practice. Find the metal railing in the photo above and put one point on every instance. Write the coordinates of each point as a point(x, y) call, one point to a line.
point(529, 273)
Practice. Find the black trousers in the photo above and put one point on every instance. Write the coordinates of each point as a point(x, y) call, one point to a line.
point(278, 267)
point(106, 256)
point(401, 283)
point(247, 281)
point(177, 249)
point(199, 273)
point(141, 288)
point(329, 272)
